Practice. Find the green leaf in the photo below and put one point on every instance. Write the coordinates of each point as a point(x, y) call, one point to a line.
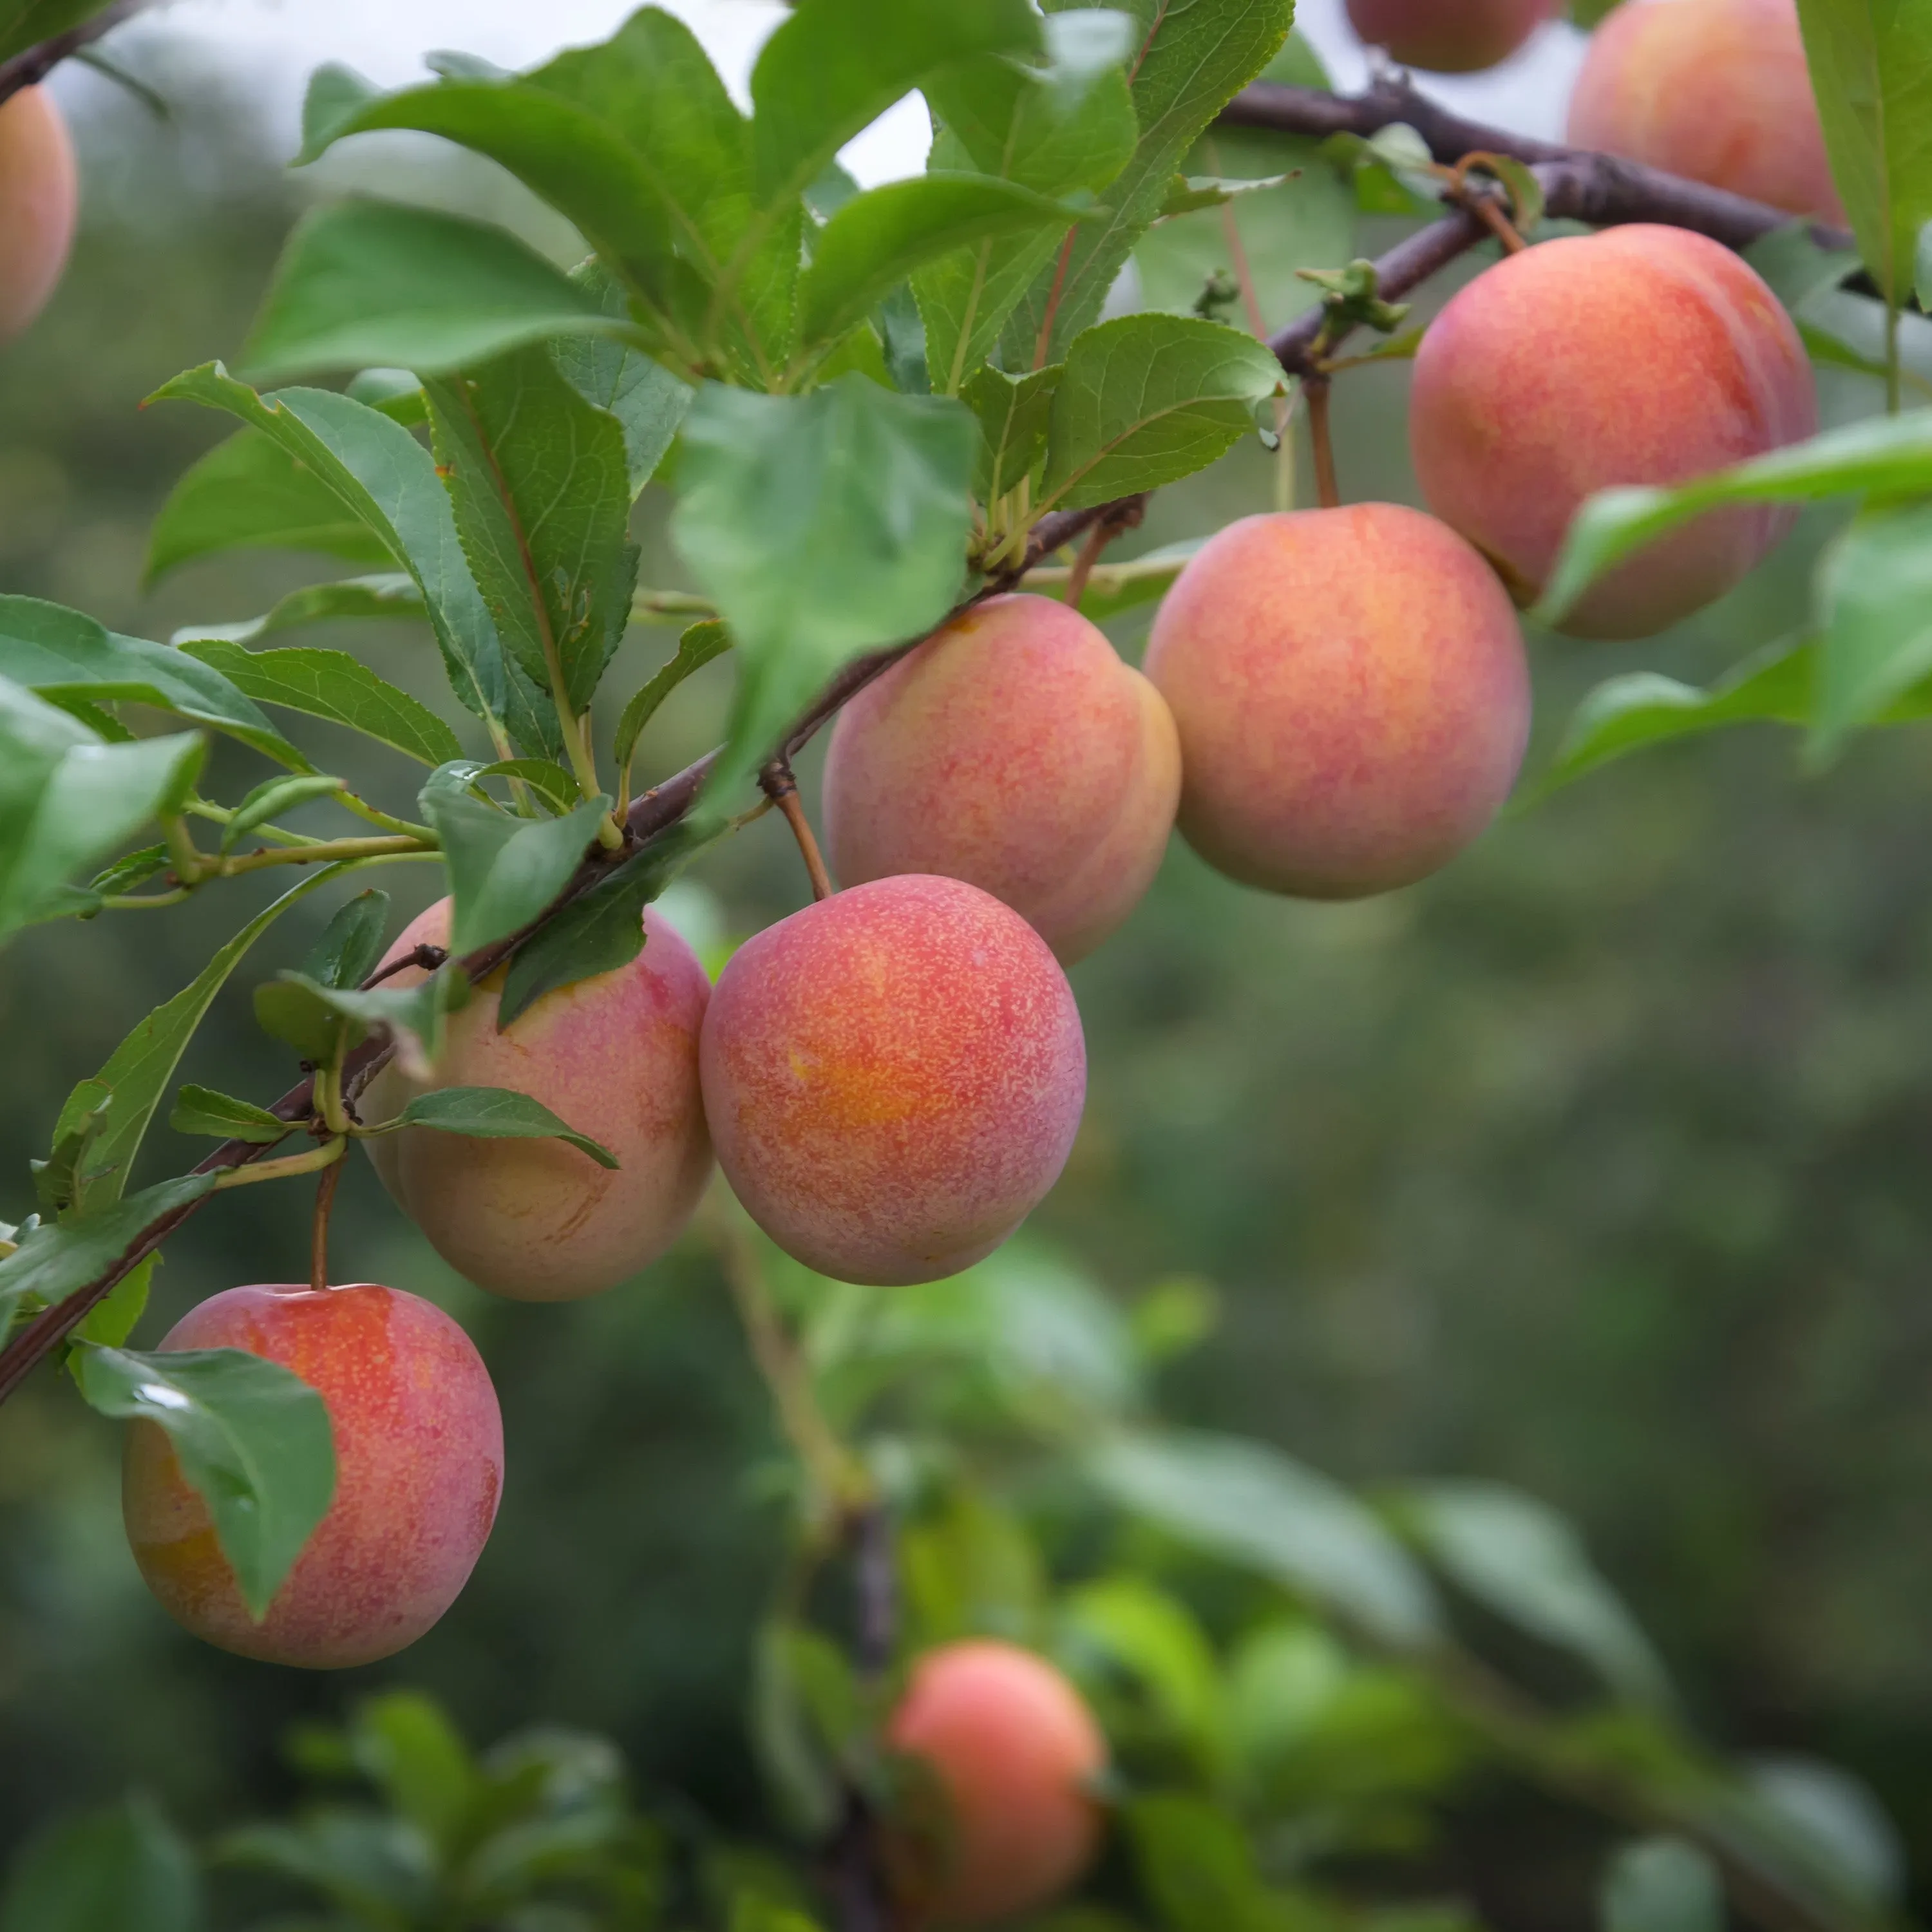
point(1884, 455)
point(251, 492)
point(131, 869)
point(1197, 1866)
point(1147, 399)
point(548, 779)
point(1875, 624)
point(141, 1069)
point(699, 643)
point(822, 526)
point(733, 282)
point(251, 1437)
point(541, 483)
point(58, 1258)
point(201, 1110)
point(392, 594)
point(406, 1745)
point(496, 1113)
point(1871, 70)
point(1662, 1885)
point(386, 478)
point(310, 1017)
point(351, 944)
point(599, 931)
point(875, 240)
point(1123, 1630)
point(125, 1869)
point(367, 282)
point(1252, 1506)
point(835, 66)
point(1261, 237)
point(67, 800)
point(1835, 1819)
point(112, 1318)
point(334, 686)
point(61, 1182)
point(1014, 412)
point(60, 653)
point(503, 870)
point(647, 400)
point(1064, 127)
point(24, 23)
point(1641, 709)
point(1525, 1562)
point(270, 799)
point(543, 129)
point(1188, 62)
point(795, 1674)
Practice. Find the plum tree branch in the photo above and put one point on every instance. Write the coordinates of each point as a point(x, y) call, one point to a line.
point(1590, 187)
point(32, 65)
point(1603, 189)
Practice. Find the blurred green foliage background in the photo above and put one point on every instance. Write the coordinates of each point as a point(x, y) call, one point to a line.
point(1597, 1166)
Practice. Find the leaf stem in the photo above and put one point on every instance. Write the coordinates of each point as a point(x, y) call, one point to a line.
point(313, 1162)
point(327, 852)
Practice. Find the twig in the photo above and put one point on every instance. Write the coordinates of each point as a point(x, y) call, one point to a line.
point(1600, 189)
point(32, 65)
point(426, 958)
point(781, 787)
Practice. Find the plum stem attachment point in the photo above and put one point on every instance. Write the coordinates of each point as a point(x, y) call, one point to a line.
point(781, 787)
point(427, 959)
point(1315, 388)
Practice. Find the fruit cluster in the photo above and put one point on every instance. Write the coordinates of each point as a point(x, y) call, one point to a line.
point(1334, 704)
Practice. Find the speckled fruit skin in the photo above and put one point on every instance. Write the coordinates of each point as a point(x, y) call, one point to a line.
point(1352, 696)
point(1013, 750)
point(1448, 36)
point(1716, 90)
point(1014, 1751)
point(40, 199)
point(893, 1078)
point(419, 1467)
point(615, 1057)
point(1641, 355)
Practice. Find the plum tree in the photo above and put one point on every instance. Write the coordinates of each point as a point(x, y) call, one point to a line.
point(419, 1467)
point(893, 1078)
point(1351, 693)
point(1448, 36)
point(1014, 1752)
point(1013, 750)
point(615, 1056)
point(1643, 355)
point(1715, 90)
point(40, 200)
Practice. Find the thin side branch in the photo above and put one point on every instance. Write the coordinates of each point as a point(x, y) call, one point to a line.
point(31, 67)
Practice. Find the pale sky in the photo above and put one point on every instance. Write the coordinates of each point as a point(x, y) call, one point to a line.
point(275, 43)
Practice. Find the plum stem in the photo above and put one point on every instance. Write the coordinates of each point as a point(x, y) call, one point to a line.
point(1315, 388)
point(318, 1245)
point(781, 787)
